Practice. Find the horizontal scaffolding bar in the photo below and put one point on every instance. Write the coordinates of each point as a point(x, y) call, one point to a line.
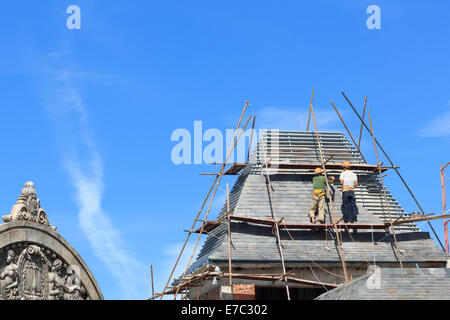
point(331, 166)
point(419, 218)
point(292, 226)
point(193, 280)
point(235, 168)
point(281, 278)
point(211, 225)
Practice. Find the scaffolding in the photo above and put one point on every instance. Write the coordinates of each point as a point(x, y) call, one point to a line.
point(444, 205)
point(298, 156)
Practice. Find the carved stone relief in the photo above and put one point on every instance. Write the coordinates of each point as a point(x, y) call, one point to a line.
point(28, 208)
point(32, 272)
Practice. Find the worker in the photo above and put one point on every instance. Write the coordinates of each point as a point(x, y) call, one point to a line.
point(349, 181)
point(318, 197)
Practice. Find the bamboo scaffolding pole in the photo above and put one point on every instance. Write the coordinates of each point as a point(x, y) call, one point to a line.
point(201, 208)
point(348, 131)
point(251, 139)
point(397, 250)
point(229, 238)
point(444, 204)
point(360, 130)
point(153, 286)
point(198, 279)
point(310, 108)
point(420, 218)
point(338, 234)
point(215, 190)
point(279, 277)
point(277, 230)
point(396, 170)
point(302, 226)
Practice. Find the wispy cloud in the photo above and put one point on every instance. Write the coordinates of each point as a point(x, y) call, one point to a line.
point(63, 100)
point(170, 253)
point(294, 119)
point(438, 127)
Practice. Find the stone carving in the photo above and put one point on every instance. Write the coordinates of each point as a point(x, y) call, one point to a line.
point(32, 263)
point(9, 278)
point(28, 208)
point(31, 272)
point(64, 288)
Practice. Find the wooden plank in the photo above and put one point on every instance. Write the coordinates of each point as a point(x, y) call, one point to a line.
point(235, 168)
point(208, 226)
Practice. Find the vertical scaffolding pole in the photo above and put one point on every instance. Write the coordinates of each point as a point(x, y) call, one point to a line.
point(229, 239)
point(153, 286)
point(251, 139)
point(444, 206)
point(338, 233)
point(277, 231)
point(310, 108)
point(360, 130)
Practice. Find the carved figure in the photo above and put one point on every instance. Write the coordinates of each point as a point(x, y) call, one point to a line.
point(10, 277)
point(55, 283)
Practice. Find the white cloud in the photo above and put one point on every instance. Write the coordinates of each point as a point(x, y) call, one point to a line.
point(171, 252)
point(64, 102)
point(438, 127)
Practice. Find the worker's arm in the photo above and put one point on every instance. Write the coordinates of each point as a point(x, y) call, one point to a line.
point(356, 183)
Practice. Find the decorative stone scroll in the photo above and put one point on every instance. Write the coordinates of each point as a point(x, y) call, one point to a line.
point(28, 208)
point(32, 272)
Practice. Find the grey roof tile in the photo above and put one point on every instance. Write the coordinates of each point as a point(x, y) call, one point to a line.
point(395, 284)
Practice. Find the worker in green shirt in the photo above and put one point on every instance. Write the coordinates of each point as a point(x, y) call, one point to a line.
point(318, 197)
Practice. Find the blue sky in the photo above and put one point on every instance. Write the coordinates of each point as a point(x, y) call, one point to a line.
point(88, 114)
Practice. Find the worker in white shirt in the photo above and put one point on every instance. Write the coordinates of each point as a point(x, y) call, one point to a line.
point(349, 181)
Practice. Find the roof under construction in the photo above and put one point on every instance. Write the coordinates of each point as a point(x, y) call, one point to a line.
point(263, 236)
point(291, 196)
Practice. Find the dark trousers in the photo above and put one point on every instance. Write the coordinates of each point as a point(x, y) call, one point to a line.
point(348, 207)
